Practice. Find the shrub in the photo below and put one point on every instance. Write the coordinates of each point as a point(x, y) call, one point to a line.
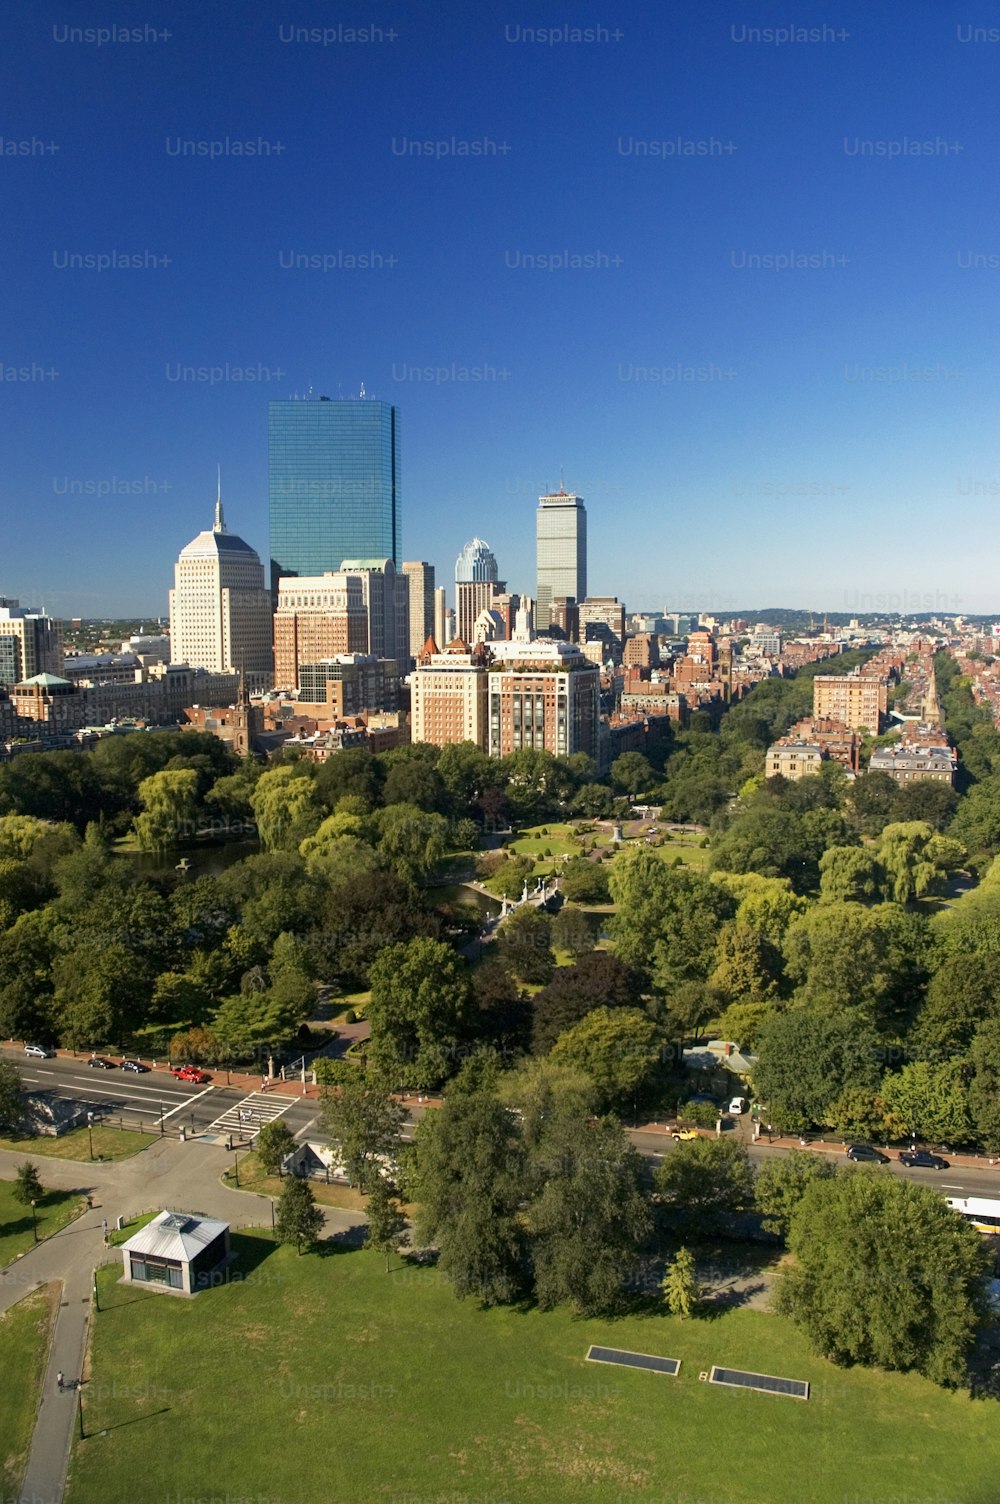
point(350, 1017)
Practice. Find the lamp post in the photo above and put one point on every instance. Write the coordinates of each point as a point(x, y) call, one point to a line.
point(34, 1220)
point(90, 1132)
point(236, 1168)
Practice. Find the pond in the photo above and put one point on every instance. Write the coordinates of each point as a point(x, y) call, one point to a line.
point(203, 861)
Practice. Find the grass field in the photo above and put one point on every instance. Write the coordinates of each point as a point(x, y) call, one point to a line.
point(254, 1180)
point(24, 1346)
point(53, 1211)
point(112, 1143)
point(321, 1377)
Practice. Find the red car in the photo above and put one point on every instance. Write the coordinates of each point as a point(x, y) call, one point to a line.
point(189, 1073)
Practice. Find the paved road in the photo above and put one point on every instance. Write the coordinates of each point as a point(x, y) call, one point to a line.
point(140, 1101)
point(169, 1174)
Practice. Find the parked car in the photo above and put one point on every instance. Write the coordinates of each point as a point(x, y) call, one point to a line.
point(922, 1159)
point(737, 1107)
point(134, 1065)
point(99, 1062)
point(866, 1154)
point(190, 1073)
point(685, 1134)
point(39, 1051)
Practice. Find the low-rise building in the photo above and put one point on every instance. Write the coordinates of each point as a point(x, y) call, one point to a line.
point(793, 760)
point(910, 761)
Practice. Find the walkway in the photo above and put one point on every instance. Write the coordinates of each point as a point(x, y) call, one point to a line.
point(168, 1174)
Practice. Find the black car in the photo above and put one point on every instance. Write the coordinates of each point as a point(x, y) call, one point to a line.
point(134, 1065)
point(921, 1159)
point(101, 1064)
point(866, 1154)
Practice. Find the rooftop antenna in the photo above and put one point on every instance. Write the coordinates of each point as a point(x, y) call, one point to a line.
point(219, 525)
point(562, 488)
point(310, 391)
point(362, 392)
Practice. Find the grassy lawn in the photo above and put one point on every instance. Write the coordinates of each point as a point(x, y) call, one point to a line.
point(112, 1143)
point(119, 1235)
point(55, 1209)
point(559, 839)
point(24, 1347)
point(253, 1179)
point(376, 1387)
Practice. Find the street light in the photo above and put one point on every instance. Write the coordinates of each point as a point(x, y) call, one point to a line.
point(34, 1221)
point(90, 1132)
point(236, 1168)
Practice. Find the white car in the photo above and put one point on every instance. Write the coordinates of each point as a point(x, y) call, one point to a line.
point(737, 1107)
point(38, 1052)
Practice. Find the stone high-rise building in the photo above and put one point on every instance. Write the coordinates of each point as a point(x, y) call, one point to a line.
point(422, 593)
point(220, 608)
point(30, 643)
point(318, 617)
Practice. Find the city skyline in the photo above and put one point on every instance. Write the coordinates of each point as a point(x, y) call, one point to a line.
point(698, 311)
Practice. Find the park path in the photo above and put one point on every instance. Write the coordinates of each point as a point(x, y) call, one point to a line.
point(168, 1174)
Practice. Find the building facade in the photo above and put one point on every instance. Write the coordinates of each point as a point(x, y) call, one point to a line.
point(908, 763)
point(317, 617)
point(859, 701)
point(349, 684)
point(448, 697)
point(793, 760)
point(543, 694)
point(422, 594)
point(220, 609)
point(560, 552)
point(386, 595)
point(333, 484)
point(30, 642)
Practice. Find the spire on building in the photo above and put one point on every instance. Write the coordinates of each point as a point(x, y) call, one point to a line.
point(219, 526)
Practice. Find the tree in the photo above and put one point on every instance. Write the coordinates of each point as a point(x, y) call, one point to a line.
point(748, 965)
point(845, 956)
point(10, 1096)
point(928, 1100)
point(632, 773)
point(984, 1087)
point(593, 800)
point(286, 806)
point(850, 874)
point(274, 1143)
point(584, 881)
point(962, 993)
point(616, 1047)
point(524, 943)
point(415, 782)
point(598, 980)
point(169, 809)
point(511, 876)
point(386, 1221)
point(885, 1273)
point(571, 931)
point(419, 1002)
point(774, 843)
point(468, 1179)
point(27, 1185)
point(668, 918)
point(299, 1220)
point(540, 1091)
point(681, 1291)
point(782, 1183)
point(705, 1182)
point(362, 1122)
point(915, 860)
point(589, 1219)
point(805, 1059)
point(412, 841)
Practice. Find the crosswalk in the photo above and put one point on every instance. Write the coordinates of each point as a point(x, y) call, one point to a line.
point(248, 1117)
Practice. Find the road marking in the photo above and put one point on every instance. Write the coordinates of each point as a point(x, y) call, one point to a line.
point(946, 1187)
point(188, 1102)
point(306, 1128)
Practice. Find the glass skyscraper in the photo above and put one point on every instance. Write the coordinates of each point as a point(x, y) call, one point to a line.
point(333, 484)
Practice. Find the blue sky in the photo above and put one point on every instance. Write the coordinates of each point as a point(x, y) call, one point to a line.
point(744, 431)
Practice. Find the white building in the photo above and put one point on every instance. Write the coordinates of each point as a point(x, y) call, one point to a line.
point(561, 552)
point(220, 611)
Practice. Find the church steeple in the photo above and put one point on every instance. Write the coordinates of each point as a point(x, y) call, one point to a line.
point(219, 526)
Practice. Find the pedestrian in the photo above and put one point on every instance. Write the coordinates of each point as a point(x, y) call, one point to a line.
point(59, 1379)
point(263, 1083)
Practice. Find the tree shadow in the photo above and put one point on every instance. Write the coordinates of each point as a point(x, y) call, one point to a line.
point(349, 1240)
point(101, 1430)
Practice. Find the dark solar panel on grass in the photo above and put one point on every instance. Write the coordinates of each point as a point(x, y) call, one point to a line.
point(634, 1360)
point(736, 1378)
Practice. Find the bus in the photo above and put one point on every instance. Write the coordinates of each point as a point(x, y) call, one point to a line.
point(982, 1211)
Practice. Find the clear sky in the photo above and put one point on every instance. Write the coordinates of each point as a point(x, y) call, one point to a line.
point(743, 430)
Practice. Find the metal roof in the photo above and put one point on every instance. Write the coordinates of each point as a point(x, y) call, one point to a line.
point(175, 1235)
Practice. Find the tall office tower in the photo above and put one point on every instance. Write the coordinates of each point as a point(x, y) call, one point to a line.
point(561, 541)
point(333, 484)
point(422, 593)
point(30, 643)
point(318, 617)
point(440, 608)
point(476, 585)
point(220, 608)
point(387, 601)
